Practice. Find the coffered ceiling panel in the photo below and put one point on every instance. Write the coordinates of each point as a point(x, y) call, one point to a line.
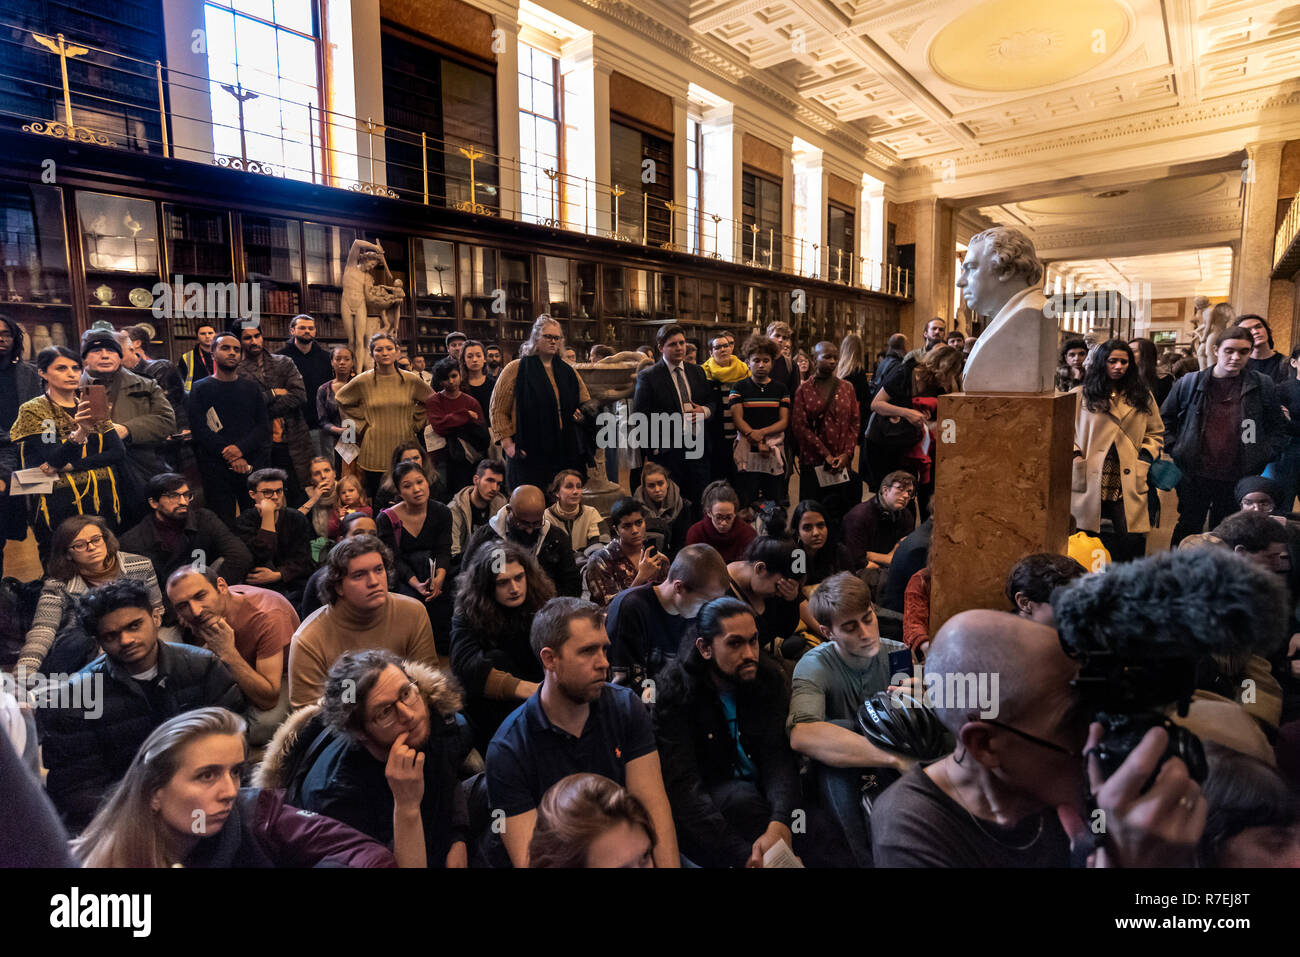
point(926, 77)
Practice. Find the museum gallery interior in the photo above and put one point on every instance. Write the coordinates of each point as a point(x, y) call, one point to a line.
point(1040, 177)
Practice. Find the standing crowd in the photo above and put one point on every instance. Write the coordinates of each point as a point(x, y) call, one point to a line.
point(372, 619)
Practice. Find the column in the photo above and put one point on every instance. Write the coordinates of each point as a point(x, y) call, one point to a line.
point(678, 217)
point(1250, 288)
point(506, 47)
point(788, 245)
point(187, 81)
point(721, 176)
point(367, 51)
point(872, 232)
point(934, 279)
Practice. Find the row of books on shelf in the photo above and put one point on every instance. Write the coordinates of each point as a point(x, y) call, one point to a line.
point(259, 234)
point(201, 228)
point(284, 301)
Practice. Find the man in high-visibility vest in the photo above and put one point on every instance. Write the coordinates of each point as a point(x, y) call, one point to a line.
point(197, 363)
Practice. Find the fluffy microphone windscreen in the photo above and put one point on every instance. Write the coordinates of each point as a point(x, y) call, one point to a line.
point(1204, 601)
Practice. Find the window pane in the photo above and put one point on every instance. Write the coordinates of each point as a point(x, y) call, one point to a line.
point(294, 14)
point(546, 140)
point(525, 91)
point(298, 60)
point(543, 99)
point(258, 8)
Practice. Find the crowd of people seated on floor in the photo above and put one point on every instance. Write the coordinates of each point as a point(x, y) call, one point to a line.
point(375, 619)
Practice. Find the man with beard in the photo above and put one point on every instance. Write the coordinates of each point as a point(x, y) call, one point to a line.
point(178, 533)
point(225, 410)
point(524, 521)
point(933, 336)
point(285, 395)
point(19, 382)
point(493, 356)
point(249, 629)
point(314, 366)
point(825, 421)
point(728, 769)
point(140, 413)
point(120, 698)
point(576, 723)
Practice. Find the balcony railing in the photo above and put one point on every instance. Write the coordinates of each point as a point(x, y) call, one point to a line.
point(310, 144)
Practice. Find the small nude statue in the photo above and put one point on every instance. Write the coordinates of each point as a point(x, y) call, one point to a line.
point(1213, 321)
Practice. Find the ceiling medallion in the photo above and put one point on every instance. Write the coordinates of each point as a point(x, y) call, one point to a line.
point(1027, 45)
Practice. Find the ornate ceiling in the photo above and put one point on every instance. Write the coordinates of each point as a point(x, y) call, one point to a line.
point(921, 78)
point(1193, 272)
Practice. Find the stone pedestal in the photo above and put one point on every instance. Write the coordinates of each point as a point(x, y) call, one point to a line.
point(1002, 492)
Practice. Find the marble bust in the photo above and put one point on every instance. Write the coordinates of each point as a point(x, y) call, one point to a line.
point(1001, 277)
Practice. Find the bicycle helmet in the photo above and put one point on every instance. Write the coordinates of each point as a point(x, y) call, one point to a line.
point(904, 724)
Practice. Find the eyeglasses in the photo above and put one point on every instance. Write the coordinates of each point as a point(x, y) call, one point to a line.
point(386, 715)
point(552, 338)
point(86, 544)
point(1029, 737)
point(524, 526)
point(188, 496)
point(271, 492)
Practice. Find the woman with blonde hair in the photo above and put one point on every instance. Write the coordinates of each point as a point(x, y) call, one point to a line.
point(853, 370)
point(180, 805)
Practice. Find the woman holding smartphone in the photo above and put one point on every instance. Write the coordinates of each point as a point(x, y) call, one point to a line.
point(83, 453)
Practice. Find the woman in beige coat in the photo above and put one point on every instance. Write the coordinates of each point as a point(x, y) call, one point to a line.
point(1118, 433)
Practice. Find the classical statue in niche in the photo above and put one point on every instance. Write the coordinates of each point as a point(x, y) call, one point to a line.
point(1214, 319)
point(366, 305)
point(1002, 277)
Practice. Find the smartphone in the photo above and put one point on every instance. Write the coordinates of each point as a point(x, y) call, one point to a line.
point(98, 395)
point(900, 662)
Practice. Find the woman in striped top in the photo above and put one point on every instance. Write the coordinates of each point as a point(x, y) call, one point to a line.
point(83, 555)
point(387, 405)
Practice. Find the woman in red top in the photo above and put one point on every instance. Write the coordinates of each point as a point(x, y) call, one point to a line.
point(721, 525)
point(459, 419)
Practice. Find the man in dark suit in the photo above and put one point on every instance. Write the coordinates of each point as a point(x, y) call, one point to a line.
point(673, 401)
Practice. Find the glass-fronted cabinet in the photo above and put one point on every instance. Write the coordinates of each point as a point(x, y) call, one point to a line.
point(586, 326)
point(325, 255)
point(198, 250)
point(482, 299)
point(273, 261)
point(665, 297)
point(34, 251)
point(119, 242)
point(434, 276)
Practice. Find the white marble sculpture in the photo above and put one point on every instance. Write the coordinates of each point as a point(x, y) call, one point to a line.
point(1002, 277)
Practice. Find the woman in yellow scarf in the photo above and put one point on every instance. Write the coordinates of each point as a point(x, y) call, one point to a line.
point(55, 433)
point(724, 369)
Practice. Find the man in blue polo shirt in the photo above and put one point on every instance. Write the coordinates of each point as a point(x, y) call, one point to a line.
point(577, 722)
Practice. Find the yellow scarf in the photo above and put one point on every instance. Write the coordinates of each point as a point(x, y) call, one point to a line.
point(725, 374)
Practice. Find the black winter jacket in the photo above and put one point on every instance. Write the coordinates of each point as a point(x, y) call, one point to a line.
point(697, 752)
point(203, 532)
point(91, 729)
point(1184, 411)
point(555, 556)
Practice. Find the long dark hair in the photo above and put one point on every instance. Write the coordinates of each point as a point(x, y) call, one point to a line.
point(574, 812)
point(476, 590)
point(1097, 384)
point(1147, 357)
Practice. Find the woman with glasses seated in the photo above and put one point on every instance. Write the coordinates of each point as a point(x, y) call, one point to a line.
point(83, 555)
point(536, 408)
point(379, 752)
point(57, 433)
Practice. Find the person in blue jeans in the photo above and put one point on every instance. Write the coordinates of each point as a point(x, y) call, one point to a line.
point(830, 683)
point(1285, 469)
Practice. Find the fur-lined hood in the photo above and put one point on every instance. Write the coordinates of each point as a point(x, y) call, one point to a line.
point(441, 693)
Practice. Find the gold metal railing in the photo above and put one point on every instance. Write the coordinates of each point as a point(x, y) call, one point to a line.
point(312, 152)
